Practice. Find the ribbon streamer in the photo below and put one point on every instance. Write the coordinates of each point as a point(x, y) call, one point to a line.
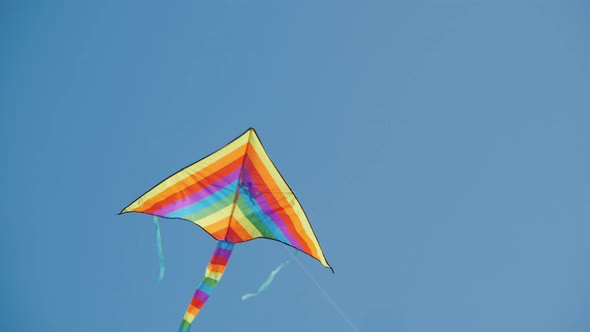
point(160, 252)
point(269, 280)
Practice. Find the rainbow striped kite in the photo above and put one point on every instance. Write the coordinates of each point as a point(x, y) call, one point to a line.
point(235, 194)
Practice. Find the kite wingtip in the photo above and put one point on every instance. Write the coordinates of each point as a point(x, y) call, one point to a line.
point(127, 209)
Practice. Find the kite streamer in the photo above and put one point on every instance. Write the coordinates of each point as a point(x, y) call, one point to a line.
point(268, 281)
point(159, 244)
point(213, 274)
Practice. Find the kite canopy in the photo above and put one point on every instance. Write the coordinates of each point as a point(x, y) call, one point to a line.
point(235, 194)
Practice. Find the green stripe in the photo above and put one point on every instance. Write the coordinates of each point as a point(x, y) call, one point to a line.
point(251, 216)
point(184, 326)
point(210, 282)
point(212, 209)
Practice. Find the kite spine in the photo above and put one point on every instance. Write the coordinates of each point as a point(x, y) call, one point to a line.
point(213, 274)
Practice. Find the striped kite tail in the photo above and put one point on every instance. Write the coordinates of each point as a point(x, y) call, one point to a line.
point(212, 275)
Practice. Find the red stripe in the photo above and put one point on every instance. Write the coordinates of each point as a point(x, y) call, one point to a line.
point(218, 260)
point(232, 236)
point(197, 303)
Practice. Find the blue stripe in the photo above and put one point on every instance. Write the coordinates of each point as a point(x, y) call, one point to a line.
point(262, 216)
point(206, 288)
point(206, 202)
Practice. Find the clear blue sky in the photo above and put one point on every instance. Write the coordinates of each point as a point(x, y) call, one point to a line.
point(440, 149)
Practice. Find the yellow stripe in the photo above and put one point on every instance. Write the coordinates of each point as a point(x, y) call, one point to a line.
point(213, 275)
point(190, 171)
point(189, 317)
point(213, 218)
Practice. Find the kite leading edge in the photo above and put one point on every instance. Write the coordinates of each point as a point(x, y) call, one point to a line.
point(235, 194)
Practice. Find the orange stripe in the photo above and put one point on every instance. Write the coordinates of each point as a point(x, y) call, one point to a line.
point(286, 212)
point(193, 310)
point(230, 158)
point(216, 268)
point(238, 231)
point(217, 226)
point(220, 234)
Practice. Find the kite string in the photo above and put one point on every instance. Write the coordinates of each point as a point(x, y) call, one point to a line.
point(324, 293)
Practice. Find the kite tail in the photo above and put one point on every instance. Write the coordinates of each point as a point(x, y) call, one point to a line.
point(213, 273)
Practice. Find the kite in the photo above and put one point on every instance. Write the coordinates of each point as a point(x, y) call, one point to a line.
point(235, 194)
